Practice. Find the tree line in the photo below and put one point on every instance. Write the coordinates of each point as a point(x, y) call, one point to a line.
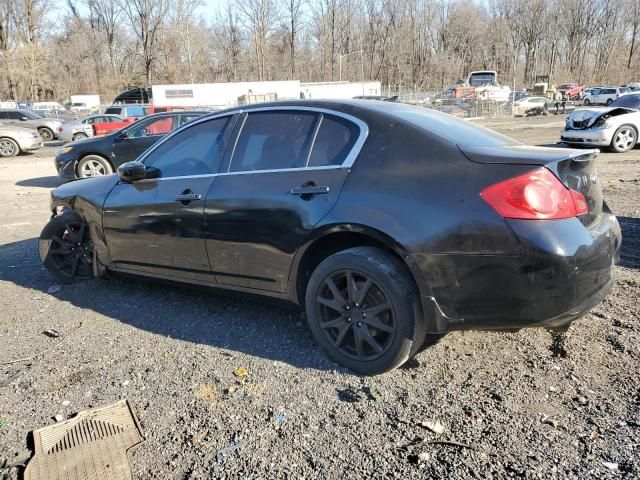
point(51, 49)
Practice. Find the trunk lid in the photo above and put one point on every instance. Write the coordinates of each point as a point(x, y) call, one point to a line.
point(576, 169)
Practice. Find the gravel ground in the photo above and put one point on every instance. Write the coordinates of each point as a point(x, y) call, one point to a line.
point(520, 404)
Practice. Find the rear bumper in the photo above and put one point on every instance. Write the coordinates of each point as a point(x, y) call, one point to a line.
point(565, 270)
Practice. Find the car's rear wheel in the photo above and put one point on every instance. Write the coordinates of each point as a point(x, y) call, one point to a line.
point(8, 147)
point(45, 134)
point(363, 309)
point(624, 139)
point(79, 136)
point(587, 101)
point(94, 166)
point(66, 248)
point(609, 101)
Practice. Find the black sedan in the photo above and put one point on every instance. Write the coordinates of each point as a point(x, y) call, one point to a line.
point(384, 222)
point(102, 155)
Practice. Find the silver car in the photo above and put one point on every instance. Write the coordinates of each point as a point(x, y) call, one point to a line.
point(16, 140)
point(46, 127)
point(72, 131)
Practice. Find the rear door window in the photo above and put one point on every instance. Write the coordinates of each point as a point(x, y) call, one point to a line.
point(335, 139)
point(274, 140)
point(114, 110)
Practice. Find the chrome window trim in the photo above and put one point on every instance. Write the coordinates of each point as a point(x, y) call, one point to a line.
point(248, 172)
point(347, 164)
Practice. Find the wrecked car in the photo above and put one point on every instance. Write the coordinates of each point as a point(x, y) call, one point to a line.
point(384, 222)
point(616, 126)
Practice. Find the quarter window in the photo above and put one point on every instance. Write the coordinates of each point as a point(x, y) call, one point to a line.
point(193, 151)
point(274, 141)
point(334, 141)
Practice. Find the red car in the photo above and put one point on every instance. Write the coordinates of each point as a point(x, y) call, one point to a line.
point(572, 89)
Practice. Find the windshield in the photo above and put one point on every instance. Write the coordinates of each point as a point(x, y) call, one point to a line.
point(31, 115)
point(628, 101)
point(564, 86)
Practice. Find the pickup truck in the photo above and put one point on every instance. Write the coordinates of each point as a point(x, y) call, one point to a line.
point(571, 89)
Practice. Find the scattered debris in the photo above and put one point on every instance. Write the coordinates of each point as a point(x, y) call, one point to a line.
point(582, 400)
point(125, 383)
point(208, 394)
point(435, 427)
point(3, 422)
point(610, 465)
point(450, 443)
point(546, 419)
point(231, 448)
point(58, 417)
point(66, 403)
point(50, 332)
point(241, 372)
point(280, 417)
point(55, 288)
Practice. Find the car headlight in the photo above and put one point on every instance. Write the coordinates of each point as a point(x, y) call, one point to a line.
point(65, 149)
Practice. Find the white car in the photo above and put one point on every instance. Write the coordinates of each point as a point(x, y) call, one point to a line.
point(17, 140)
point(605, 95)
point(70, 132)
point(522, 106)
point(616, 126)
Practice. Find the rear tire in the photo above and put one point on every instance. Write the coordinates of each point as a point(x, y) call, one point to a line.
point(587, 101)
point(79, 136)
point(45, 134)
point(373, 326)
point(93, 166)
point(66, 248)
point(8, 147)
point(624, 139)
point(609, 101)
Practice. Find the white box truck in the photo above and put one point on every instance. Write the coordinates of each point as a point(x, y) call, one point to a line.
point(81, 103)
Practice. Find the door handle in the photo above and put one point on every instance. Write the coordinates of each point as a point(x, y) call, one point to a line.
point(187, 197)
point(310, 190)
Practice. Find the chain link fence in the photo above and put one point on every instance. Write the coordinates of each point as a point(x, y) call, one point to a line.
point(464, 107)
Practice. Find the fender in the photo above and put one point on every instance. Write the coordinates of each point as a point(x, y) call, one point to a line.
point(86, 197)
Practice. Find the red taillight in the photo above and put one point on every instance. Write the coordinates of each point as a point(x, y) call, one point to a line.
point(60, 129)
point(537, 195)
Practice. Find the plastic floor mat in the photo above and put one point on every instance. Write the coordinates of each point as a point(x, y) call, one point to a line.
point(91, 445)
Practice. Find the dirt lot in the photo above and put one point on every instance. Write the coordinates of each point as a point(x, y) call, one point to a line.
point(520, 406)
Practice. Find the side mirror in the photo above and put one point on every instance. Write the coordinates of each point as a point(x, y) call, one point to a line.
point(132, 171)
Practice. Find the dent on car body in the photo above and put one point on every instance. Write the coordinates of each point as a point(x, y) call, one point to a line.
point(594, 116)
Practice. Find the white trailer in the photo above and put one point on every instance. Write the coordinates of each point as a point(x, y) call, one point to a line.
point(84, 102)
point(222, 95)
point(331, 90)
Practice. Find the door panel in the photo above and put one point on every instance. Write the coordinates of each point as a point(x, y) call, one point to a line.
point(145, 225)
point(254, 224)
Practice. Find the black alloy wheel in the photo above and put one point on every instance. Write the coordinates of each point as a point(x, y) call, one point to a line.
point(355, 315)
point(363, 309)
point(66, 248)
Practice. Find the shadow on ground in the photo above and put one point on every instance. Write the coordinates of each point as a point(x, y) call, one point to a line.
point(630, 250)
point(206, 316)
point(43, 182)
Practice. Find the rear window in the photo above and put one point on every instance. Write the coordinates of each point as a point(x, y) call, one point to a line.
point(113, 110)
point(455, 130)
